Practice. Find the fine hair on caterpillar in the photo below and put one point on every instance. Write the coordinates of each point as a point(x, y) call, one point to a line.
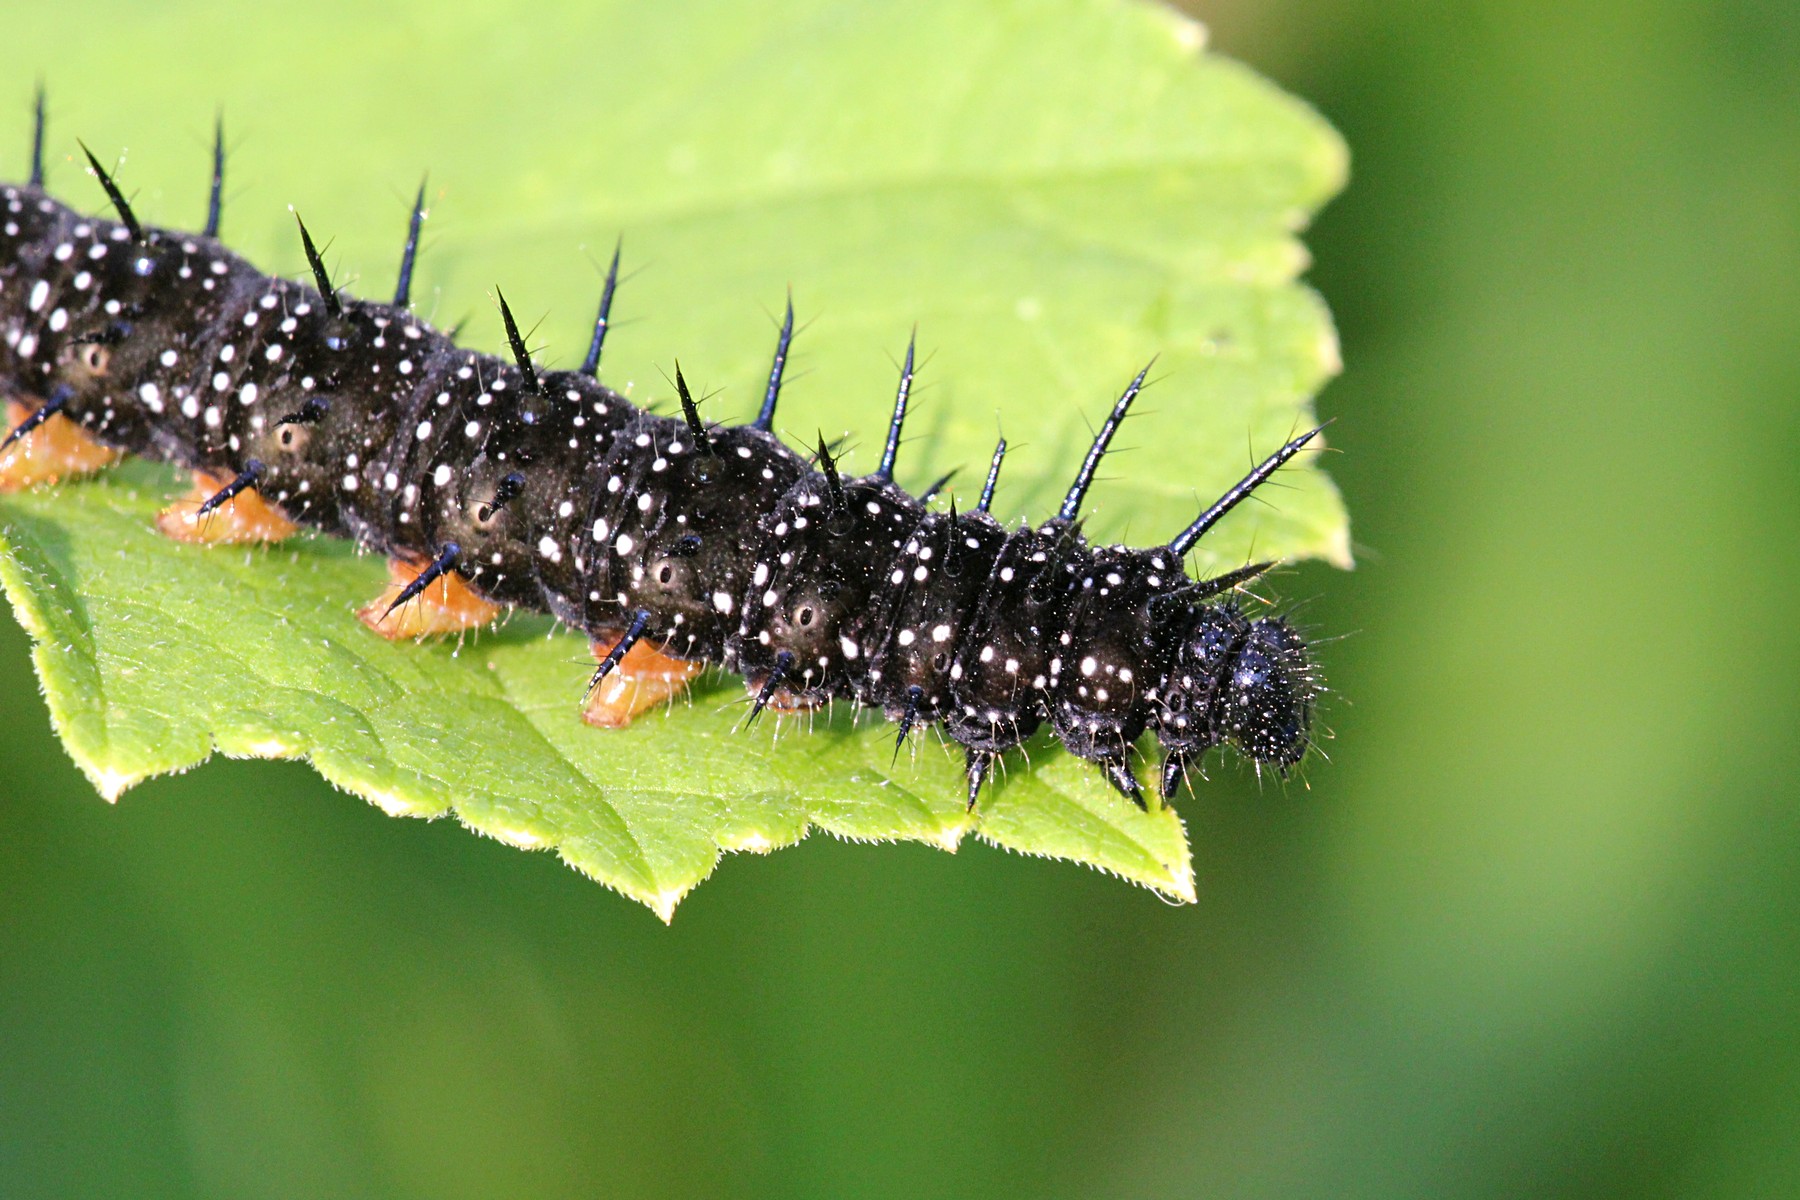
point(671, 541)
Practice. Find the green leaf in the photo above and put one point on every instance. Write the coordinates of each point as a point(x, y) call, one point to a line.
point(1053, 190)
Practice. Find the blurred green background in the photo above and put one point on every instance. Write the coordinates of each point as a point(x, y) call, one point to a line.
point(1534, 931)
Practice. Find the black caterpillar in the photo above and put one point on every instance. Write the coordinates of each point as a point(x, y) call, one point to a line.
point(546, 490)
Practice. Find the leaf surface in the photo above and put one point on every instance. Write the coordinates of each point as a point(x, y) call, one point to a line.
point(1053, 190)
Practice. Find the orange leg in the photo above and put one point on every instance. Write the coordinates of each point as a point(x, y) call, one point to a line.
point(57, 449)
point(448, 605)
point(644, 679)
point(246, 517)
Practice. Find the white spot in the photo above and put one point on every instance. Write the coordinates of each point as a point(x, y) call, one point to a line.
point(940, 633)
point(423, 431)
point(624, 544)
point(1089, 665)
point(907, 637)
point(220, 381)
point(152, 397)
point(40, 292)
point(58, 320)
point(247, 394)
point(441, 476)
point(849, 647)
point(722, 601)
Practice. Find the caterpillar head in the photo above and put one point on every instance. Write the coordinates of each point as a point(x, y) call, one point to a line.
point(1266, 701)
point(1249, 683)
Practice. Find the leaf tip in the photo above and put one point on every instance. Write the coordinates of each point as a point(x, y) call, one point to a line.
point(663, 903)
point(112, 783)
point(951, 836)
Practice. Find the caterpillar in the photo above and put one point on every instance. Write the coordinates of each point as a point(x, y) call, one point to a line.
point(671, 541)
